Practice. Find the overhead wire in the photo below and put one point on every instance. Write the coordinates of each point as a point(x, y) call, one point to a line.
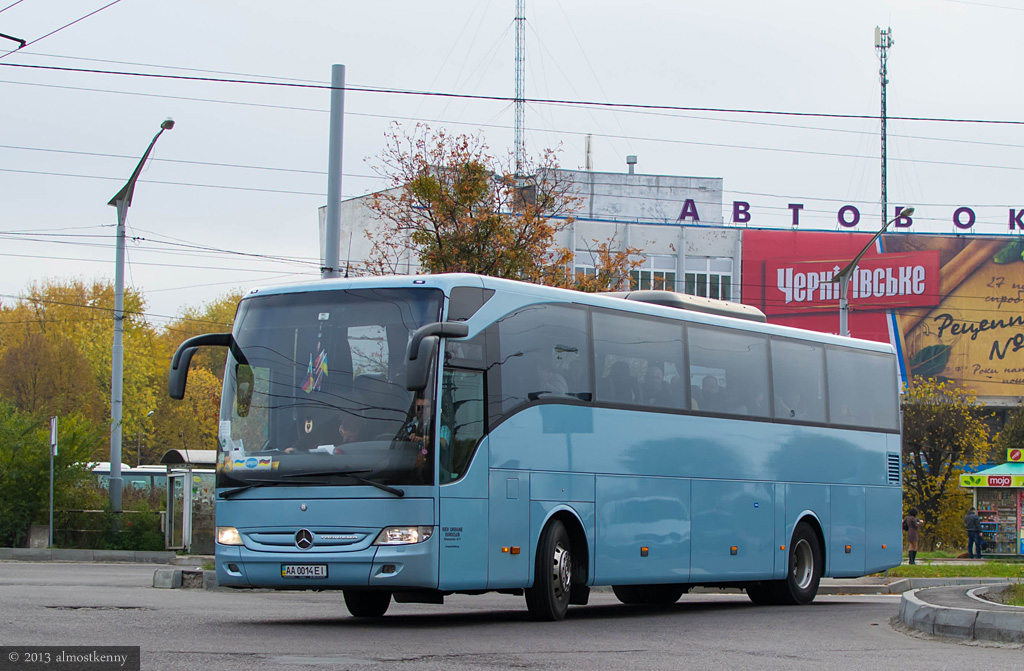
point(16, 2)
point(54, 32)
point(496, 98)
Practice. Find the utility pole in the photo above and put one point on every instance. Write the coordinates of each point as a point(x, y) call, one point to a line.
point(332, 224)
point(520, 84)
point(883, 42)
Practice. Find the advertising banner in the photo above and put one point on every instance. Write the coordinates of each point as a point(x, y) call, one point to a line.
point(953, 306)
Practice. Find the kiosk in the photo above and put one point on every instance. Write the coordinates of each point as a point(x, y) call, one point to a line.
point(999, 498)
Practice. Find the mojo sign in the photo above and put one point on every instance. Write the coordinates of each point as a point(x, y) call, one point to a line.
point(848, 216)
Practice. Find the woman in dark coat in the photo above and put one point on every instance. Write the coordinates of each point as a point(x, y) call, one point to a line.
point(910, 525)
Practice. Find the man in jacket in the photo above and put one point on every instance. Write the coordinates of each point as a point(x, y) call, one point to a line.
point(973, 524)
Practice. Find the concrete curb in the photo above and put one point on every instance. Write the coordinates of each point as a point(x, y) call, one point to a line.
point(176, 578)
point(58, 554)
point(1001, 626)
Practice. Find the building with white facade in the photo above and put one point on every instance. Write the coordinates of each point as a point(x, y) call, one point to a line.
point(675, 221)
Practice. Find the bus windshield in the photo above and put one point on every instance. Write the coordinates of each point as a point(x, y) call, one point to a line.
point(315, 391)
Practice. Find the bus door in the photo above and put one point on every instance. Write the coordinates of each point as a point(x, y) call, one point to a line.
point(508, 550)
point(177, 531)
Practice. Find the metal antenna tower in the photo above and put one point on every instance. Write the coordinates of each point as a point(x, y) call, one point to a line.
point(883, 42)
point(520, 83)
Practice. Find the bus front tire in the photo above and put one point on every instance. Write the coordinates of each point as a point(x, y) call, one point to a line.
point(801, 583)
point(367, 603)
point(548, 598)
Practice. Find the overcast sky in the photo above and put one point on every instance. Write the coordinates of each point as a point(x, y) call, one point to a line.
point(244, 169)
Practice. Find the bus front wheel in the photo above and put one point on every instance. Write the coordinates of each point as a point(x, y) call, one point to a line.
point(367, 603)
point(548, 598)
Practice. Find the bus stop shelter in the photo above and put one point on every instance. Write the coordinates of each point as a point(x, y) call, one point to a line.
point(190, 500)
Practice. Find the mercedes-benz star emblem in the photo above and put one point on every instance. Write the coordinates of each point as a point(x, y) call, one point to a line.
point(303, 539)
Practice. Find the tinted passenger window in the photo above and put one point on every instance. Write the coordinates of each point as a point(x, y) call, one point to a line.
point(639, 361)
point(728, 371)
point(544, 354)
point(798, 377)
point(862, 388)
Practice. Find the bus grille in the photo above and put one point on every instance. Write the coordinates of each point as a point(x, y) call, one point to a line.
point(324, 540)
point(893, 468)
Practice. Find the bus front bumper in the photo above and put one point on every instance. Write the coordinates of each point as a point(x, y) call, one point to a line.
point(394, 567)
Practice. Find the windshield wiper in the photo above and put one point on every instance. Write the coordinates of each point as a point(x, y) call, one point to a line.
point(259, 482)
point(351, 474)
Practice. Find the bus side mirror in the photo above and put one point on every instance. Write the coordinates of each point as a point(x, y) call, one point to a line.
point(423, 349)
point(178, 375)
point(419, 368)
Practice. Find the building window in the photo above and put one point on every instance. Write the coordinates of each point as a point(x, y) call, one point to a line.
point(585, 263)
point(708, 277)
point(658, 272)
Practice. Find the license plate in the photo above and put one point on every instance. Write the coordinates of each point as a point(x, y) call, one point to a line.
point(303, 570)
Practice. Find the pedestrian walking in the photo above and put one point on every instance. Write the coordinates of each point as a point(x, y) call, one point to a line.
point(910, 525)
point(973, 524)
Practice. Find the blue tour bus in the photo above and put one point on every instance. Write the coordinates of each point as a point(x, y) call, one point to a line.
point(408, 438)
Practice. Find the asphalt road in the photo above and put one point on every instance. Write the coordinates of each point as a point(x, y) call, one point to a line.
point(108, 604)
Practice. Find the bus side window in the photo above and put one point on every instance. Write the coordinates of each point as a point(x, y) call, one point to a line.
point(544, 354)
point(638, 360)
point(731, 370)
point(862, 388)
point(798, 377)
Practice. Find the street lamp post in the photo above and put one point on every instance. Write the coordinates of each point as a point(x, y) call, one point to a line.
point(122, 201)
point(138, 443)
point(843, 276)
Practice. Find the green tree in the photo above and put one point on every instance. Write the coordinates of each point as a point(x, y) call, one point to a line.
point(1011, 436)
point(44, 375)
point(453, 207)
point(943, 432)
point(82, 313)
point(25, 468)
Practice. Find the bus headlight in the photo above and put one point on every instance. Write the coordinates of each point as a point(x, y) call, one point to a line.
point(228, 536)
point(403, 535)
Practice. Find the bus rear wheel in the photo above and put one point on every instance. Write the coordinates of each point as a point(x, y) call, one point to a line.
point(548, 598)
point(805, 567)
point(367, 603)
point(802, 577)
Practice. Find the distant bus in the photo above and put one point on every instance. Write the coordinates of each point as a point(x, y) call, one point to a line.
point(144, 478)
point(407, 438)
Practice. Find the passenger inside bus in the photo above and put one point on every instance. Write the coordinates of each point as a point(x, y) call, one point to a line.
point(548, 380)
point(712, 397)
point(620, 387)
point(654, 390)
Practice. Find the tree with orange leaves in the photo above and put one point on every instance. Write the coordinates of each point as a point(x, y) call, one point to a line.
point(452, 207)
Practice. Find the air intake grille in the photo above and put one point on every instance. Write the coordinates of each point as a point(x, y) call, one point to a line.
point(893, 468)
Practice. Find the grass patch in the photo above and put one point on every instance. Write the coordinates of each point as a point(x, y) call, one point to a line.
point(1014, 595)
point(208, 566)
point(987, 570)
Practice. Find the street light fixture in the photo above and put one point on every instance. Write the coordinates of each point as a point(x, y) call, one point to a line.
point(122, 201)
point(843, 276)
